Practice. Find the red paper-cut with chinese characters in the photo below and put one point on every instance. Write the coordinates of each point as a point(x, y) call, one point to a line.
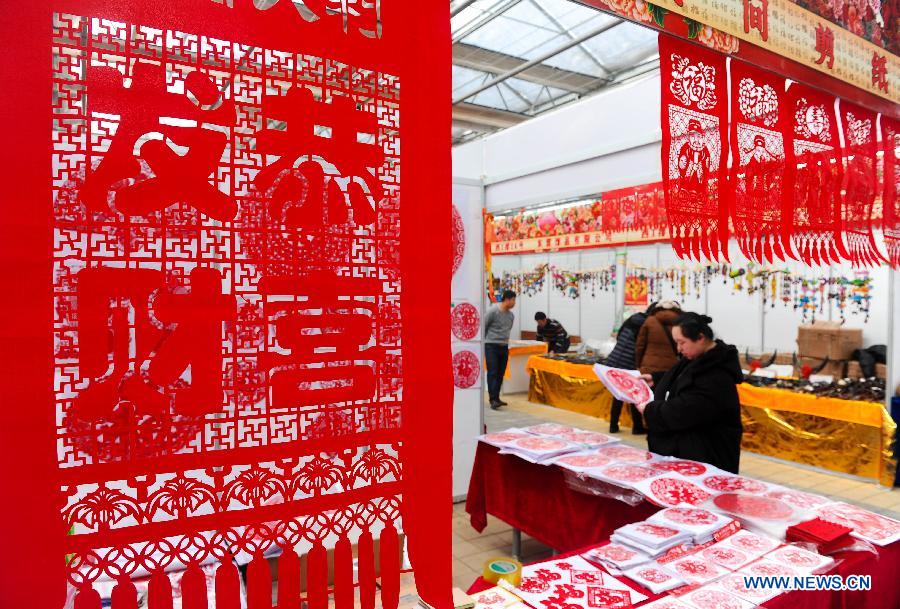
point(860, 184)
point(219, 327)
point(890, 145)
point(694, 148)
point(757, 152)
point(811, 220)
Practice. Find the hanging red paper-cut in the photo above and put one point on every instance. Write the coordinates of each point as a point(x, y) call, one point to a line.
point(457, 239)
point(757, 152)
point(694, 121)
point(811, 220)
point(227, 376)
point(860, 184)
point(890, 145)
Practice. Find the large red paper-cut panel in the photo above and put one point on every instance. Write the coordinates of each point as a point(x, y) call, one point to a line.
point(757, 152)
point(860, 184)
point(811, 220)
point(230, 366)
point(890, 145)
point(694, 150)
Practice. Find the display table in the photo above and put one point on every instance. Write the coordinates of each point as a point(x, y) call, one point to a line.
point(516, 378)
point(536, 500)
point(885, 593)
point(846, 436)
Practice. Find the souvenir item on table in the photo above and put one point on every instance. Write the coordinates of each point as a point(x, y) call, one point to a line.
point(625, 474)
point(580, 462)
point(538, 449)
point(465, 321)
point(875, 528)
point(502, 439)
point(751, 506)
point(666, 602)
point(654, 578)
point(797, 499)
point(757, 174)
point(695, 569)
point(800, 559)
point(728, 483)
point(620, 556)
point(466, 369)
point(715, 596)
point(625, 385)
point(694, 125)
point(550, 429)
point(684, 467)
point(769, 568)
point(813, 176)
point(495, 598)
point(736, 584)
point(575, 583)
point(672, 490)
point(588, 438)
point(701, 523)
point(726, 555)
point(653, 535)
point(626, 453)
point(860, 184)
point(751, 543)
point(828, 537)
point(651, 551)
point(890, 145)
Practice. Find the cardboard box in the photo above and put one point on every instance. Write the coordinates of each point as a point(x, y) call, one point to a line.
point(828, 339)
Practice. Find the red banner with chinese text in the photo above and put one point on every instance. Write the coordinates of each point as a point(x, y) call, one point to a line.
point(210, 346)
point(694, 147)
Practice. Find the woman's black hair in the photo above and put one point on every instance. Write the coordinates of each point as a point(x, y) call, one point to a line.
point(693, 325)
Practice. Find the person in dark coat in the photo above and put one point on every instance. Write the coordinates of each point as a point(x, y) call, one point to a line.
point(654, 350)
point(622, 356)
point(695, 413)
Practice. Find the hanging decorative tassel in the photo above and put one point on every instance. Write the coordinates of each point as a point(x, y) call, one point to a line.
point(811, 206)
point(259, 583)
point(757, 152)
point(366, 561)
point(193, 588)
point(88, 598)
point(694, 120)
point(124, 595)
point(343, 574)
point(228, 587)
point(159, 591)
point(317, 576)
point(389, 561)
point(860, 180)
point(288, 579)
point(890, 146)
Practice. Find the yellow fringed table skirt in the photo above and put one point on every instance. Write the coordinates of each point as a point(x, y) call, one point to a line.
point(846, 436)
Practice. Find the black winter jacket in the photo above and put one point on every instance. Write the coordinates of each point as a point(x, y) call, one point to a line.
point(696, 413)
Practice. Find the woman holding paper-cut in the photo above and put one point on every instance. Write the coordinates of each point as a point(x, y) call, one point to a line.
point(695, 413)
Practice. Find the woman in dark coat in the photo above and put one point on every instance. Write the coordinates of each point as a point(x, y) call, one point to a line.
point(622, 356)
point(695, 413)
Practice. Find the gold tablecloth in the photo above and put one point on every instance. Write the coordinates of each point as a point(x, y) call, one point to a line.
point(846, 436)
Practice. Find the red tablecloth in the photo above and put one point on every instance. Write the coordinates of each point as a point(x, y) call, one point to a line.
point(884, 569)
point(536, 500)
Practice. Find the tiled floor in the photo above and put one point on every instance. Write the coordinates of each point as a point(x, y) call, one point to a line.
point(470, 550)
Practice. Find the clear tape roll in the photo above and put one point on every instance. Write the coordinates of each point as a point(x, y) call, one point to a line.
point(502, 569)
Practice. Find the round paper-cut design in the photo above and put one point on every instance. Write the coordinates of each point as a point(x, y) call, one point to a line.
point(615, 553)
point(540, 444)
point(685, 468)
point(466, 368)
point(765, 508)
point(797, 498)
point(585, 460)
point(629, 473)
point(693, 568)
point(464, 321)
point(752, 543)
point(863, 522)
point(501, 437)
point(672, 491)
point(690, 516)
point(654, 576)
point(549, 429)
point(769, 569)
point(627, 453)
point(735, 583)
point(630, 386)
point(586, 437)
point(727, 557)
point(730, 484)
point(799, 558)
point(457, 239)
point(656, 530)
point(714, 599)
